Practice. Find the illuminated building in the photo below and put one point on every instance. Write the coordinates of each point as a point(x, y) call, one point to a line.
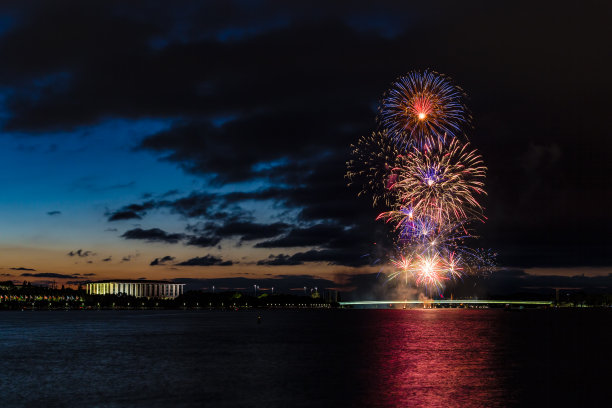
point(136, 288)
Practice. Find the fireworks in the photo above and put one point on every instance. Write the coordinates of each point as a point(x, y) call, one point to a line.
point(374, 158)
point(431, 253)
point(428, 179)
point(420, 105)
point(441, 181)
point(429, 269)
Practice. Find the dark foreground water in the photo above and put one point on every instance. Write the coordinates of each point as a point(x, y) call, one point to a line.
point(341, 358)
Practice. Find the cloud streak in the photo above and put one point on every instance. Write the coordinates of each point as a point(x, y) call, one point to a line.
point(207, 260)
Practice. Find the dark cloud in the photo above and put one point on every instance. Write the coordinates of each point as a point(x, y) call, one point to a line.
point(203, 241)
point(162, 260)
point(345, 257)
point(337, 245)
point(233, 226)
point(110, 258)
point(278, 260)
point(54, 212)
point(23, 269)
point(194, 205)
point(347, 231)
point(49, 275)
point(298, 237)
point(208, 260)
point(132, 211)
point(124, 215)
point(226, 224)
point(290, 109)
point(246, 231)
point(74, 27)
point(81, 253)
point(249, 231)
point(152, 235)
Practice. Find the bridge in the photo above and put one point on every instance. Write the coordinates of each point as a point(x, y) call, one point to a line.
point(458, 302)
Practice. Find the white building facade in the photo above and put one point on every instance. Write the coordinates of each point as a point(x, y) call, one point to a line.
point(140, 288)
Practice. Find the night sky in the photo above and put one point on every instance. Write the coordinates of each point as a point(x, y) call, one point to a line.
point(208, 140)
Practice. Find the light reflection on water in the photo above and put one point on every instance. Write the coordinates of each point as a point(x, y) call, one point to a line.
point(341, 358)
point(438, 358)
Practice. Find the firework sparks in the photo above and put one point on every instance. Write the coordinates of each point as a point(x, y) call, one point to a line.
point(403, 266)
point(428, 269)
point(371, 168)
point(421, 104)
point(427, 178)
point(441, 181)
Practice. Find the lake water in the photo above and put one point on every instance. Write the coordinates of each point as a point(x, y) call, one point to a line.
point(306, 358)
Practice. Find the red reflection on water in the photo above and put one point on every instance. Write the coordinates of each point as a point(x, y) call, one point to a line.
point(435, 358)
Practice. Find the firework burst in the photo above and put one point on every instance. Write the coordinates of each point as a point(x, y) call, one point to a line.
point(440, 181)
point(431, 253)
point(421, 104)
point(371, 167)
point(428, 269)
point(427, 178)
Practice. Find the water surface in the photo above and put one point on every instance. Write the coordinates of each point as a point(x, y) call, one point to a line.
point(306, 358)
